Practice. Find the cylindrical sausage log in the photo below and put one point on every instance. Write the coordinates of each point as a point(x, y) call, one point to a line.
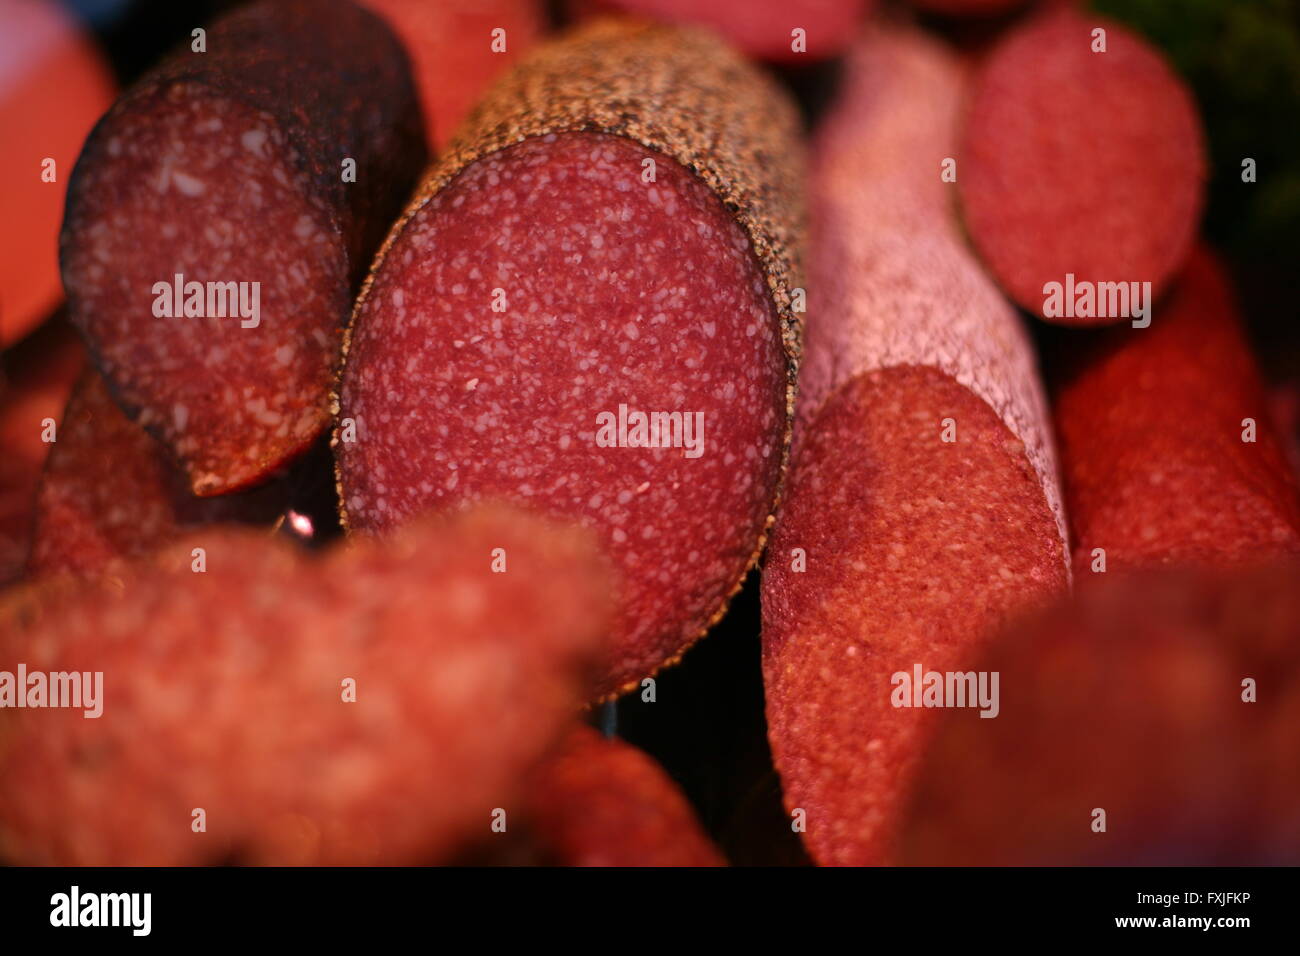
point(588, 309)
point(219, 218)
point(1152, 721)
point(922, 506)
point(370, 706)
point(1168, 451)
point(1082, 168)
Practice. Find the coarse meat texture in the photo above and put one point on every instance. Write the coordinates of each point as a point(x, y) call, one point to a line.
point(922, 508)
point(547, 286)
point(1083, 163)
point(1169, 700)
point(1152, 425)
point(110, 491)
point(371, 706)
point(912, 551)
point(214, 236)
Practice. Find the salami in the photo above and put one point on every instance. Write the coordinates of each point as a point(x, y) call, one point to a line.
point(1082, 169)
point(36, 378)
point(1168, 454)
point(588, 309)
point(53, 86)
point(219, 218)
point(110, 491)
point(602, 802)
point(457, 48)
point(782, 31)
point(1153, 721)
point(922, 506)
point(375, 705)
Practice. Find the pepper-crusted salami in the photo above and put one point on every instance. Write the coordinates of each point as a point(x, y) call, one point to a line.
point(111, 491)
point(612, 235)
point(1152, 721)
point(602, 802)
point(372, 706)
point(212, 244)
point(922, 505)
point(1168, 453)
point(1080, 165)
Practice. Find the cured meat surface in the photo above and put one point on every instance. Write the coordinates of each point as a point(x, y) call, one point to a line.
point(552, 280)
point(1080, 163)
point(226, 691)
point(922, 508)
point(1129, 699)
point(226, 169)
point(602, 802)
point(110, 490)
point(1151, 424)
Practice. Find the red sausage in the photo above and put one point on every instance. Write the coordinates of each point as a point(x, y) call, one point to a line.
point(110, 491)
point(226, 168)
point(1133, 700)
point(1079, 168)
point(894, 546)
point(764, 28)
point(602, 802)
point(543, 290)
point(226, 691)
point(1151, 425)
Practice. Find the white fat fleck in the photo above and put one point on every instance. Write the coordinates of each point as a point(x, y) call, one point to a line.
point(253, 140)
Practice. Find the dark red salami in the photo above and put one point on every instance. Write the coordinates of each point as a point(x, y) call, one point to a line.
point(602, 802)
point(922, 507)
point(1080, 167)
point(373, 706)
point(611, 238)
point(1152, 721)
point(212, 244)
point(1168, 452)
point(111, 491)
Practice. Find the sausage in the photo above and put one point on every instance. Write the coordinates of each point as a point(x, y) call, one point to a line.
point(603, 802)
point(211, 247)
point(1152, 426)
point(110, 491)
point(456, 51)
point(54, 86)
point(614, 235)
point(227, 691)
point(1079, 168)
point(1132, 699)
point(35, 381)
point(896, 547)
point(763, 28)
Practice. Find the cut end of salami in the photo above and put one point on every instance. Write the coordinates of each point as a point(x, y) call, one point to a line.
point(1168, 451)
point(571, 318)
point(372, 706)
point(894, 549)
point(1082, 169)
point(1153, 721)
point(602, 802)
point(214, 231)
